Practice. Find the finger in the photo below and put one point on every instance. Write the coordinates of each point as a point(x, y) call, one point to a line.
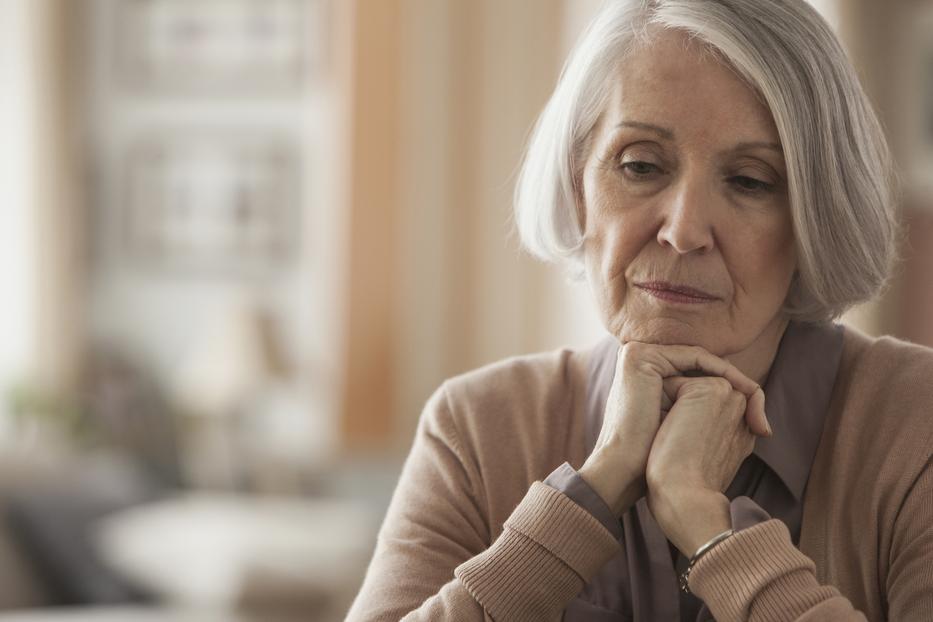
point(676, 386)
point(700, 360)
point(672, 386)
point(755, 415)
point(678, 360)
point(684, 359)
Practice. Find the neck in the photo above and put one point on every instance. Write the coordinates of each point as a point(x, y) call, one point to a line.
point(755, 360)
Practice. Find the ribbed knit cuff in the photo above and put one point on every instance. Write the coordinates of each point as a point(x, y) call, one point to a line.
point(566, 479)
point(758, 570)
point(549, 548)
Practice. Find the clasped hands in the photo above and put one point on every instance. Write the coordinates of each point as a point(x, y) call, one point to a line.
point(676, 437)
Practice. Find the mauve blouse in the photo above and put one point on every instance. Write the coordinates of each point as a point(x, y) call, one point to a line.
point(640, 584)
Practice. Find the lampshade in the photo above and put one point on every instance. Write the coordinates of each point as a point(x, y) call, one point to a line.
point(234, 357)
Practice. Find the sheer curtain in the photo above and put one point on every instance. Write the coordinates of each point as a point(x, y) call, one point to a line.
point(39, 206)
point(18, 222)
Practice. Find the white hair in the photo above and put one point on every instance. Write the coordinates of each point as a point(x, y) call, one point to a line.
point(841, 179)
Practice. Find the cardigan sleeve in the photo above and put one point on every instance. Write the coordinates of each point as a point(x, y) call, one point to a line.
point(433, 560)
point(758, 574)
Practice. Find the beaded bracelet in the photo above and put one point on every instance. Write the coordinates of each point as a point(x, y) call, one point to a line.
point(685, 576)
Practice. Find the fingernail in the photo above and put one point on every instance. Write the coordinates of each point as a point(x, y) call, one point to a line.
point(768, 424)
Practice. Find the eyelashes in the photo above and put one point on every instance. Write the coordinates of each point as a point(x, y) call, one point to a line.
point(634, 165)
point(640, 171)
point(751, 185)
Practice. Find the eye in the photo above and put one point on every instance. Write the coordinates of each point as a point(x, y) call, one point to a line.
point(750, 185)
point(639, 169)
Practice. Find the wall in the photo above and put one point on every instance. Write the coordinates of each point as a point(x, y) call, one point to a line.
point(451, 291)
point(475, 75)
point(160, 316)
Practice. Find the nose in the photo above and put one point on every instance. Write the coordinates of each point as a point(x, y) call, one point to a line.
point(687, 224)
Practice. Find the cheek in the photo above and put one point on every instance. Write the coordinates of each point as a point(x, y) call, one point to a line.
point(611, 250)
point(768, 262)
point(784, 252)
point(607, 255)
point(613, 235)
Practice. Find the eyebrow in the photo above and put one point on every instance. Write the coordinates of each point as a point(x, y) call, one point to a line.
point(667, 134)
point(663, 132)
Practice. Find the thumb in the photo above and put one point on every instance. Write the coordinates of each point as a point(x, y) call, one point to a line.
point(671, 387)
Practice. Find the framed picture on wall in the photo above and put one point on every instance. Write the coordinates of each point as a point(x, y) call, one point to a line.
point(211, 202)
point(219, 45)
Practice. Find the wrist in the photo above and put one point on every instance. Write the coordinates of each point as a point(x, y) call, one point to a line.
point(618, 485)
point(690, 517)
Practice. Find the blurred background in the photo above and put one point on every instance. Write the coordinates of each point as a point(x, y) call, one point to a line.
point(242, 241)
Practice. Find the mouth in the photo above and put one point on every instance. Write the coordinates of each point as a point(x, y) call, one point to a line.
point(671, 292)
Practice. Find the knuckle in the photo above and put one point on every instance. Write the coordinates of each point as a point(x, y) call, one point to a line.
point(635, 356)
point(653, 475)
point(631, 351)
point(721, 387)
point(701, 354)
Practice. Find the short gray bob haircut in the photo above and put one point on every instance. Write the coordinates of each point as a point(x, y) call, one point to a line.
point(841, 178)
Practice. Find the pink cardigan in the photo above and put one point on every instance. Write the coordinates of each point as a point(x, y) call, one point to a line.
point(473, 534)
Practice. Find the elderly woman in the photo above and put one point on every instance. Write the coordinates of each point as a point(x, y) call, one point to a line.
point(716, 172)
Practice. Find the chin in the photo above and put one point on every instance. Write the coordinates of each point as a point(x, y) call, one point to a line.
point(669, 331)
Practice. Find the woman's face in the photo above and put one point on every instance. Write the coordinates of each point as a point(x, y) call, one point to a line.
point(684, 185)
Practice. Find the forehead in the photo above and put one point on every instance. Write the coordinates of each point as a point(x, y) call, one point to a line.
point(674, 81)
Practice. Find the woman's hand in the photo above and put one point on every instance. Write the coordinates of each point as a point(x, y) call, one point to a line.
point(646, 384)
point(696, 453)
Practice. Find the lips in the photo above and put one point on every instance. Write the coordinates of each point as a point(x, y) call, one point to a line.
point(683, 290)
